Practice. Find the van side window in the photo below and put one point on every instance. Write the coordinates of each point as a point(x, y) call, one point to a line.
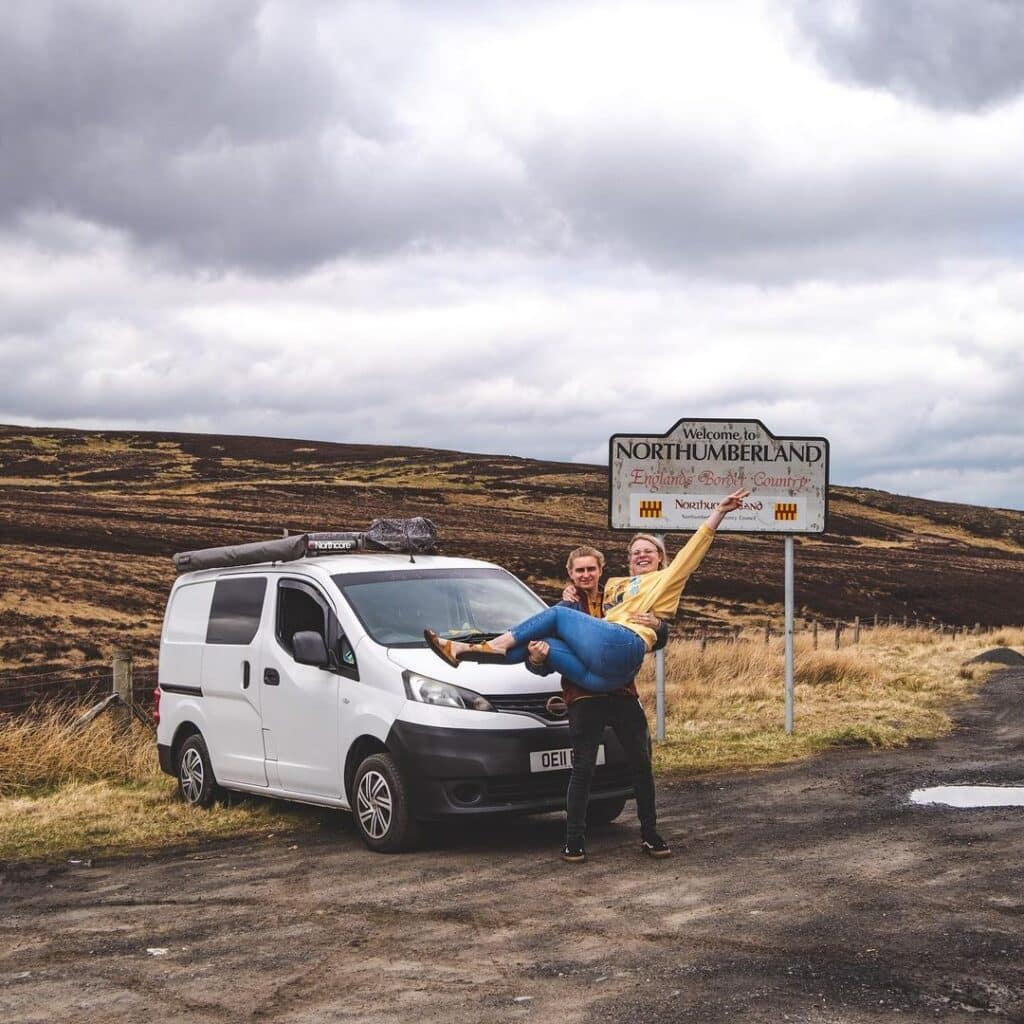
point(298, 609)
point(300, 606)
point(236, 610)
point(188, 617)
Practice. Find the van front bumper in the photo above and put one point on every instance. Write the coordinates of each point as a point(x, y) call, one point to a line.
point(455, 772)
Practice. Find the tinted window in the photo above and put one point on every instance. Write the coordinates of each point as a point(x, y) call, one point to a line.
point(235, 614)
point(297, 610)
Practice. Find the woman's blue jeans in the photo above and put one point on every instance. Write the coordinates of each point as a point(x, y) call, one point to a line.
point(597, 654)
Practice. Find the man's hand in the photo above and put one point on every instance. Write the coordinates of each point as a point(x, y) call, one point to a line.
point(646, 619)
point(537, 652)
point(570, 594)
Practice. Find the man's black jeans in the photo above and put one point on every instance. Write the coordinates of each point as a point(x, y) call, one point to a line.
point(587, 720)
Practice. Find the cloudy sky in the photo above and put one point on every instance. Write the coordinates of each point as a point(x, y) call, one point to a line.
point(523, 226)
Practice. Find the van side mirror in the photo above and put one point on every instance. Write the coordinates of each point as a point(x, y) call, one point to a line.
point(308, 648)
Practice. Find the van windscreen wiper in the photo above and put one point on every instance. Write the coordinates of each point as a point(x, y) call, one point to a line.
point(469, 636)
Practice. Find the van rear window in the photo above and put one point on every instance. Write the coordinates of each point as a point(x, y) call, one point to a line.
point(236, 610)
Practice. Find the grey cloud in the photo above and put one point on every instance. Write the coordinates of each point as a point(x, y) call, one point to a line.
point(222, 135)
point(229, 135)
point(949, 54)
point(705, 206)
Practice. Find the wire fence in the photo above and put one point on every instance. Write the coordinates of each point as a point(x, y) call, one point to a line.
point(31, 688)
point(823, 631)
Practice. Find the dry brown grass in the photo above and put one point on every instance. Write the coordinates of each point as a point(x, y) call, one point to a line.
point(45, 750)
point(725, 707)
point(64, 790)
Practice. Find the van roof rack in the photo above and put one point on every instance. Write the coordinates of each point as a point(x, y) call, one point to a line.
point(412, 536)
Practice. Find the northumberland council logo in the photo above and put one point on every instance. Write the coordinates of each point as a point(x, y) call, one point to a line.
point(651, 509)
point(784, 510)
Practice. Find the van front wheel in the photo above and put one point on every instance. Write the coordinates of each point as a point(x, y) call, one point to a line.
point(196, 783)
point(381, 805)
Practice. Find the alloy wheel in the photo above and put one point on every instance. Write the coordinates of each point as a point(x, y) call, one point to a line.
point(192, 775)
point(374, 804)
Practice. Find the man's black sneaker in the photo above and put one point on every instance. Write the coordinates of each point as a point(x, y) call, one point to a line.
point(655, 846)
point(573, 853)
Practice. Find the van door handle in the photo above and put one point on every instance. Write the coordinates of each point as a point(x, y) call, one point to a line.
point(245, 675)
point(270, 677)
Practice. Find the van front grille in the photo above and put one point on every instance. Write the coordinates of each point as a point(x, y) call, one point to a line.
point(529, 704)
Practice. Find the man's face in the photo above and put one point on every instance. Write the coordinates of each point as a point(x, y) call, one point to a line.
point(585, 573)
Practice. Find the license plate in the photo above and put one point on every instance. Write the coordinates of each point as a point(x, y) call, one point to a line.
point(557, 760)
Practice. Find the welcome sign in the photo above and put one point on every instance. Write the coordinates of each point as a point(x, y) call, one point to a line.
point(673, 481)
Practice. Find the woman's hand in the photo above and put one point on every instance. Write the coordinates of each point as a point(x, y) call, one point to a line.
point(569, 594)
point(725, 506)
point(733, 501)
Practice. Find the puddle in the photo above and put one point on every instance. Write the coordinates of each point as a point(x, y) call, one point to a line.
point(970, 796)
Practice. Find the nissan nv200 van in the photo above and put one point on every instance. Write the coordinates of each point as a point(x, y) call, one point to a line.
point(310, 680)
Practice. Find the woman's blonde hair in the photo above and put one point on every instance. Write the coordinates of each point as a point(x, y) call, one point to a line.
point(656, 541)
point(584, 551)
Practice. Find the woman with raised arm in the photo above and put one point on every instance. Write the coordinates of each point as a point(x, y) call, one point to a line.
point(600, 654)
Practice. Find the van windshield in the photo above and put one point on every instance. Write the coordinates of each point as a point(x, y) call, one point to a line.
point(395, 607)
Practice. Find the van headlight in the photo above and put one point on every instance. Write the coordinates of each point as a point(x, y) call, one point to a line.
point(446, 695)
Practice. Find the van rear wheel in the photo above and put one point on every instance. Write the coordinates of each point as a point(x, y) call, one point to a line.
point(196, 782)
point(381, 806)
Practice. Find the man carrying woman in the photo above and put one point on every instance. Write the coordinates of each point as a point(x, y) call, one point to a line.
point(604, 654)
point(590, 713)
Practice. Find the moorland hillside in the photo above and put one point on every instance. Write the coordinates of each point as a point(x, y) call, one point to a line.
point(90, 520)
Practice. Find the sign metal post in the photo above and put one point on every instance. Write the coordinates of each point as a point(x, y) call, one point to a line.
point(659, 688)
point(789, 633)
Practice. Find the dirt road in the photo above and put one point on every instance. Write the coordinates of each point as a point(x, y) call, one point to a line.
point(811, 893)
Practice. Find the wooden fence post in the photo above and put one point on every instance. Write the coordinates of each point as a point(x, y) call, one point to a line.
point(856, 629)
point(122, 670)
point(703, 642)
point(767, 632)
point(814, 634)
point(876, 620)
point(838, 630)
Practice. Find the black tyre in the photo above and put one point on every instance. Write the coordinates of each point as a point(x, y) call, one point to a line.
point(196, 782)
point(380, 806)
point(604, 812)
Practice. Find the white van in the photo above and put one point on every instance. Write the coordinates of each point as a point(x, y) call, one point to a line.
point(310, 680)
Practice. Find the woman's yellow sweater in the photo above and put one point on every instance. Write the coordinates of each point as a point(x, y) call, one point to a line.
point(656, 592)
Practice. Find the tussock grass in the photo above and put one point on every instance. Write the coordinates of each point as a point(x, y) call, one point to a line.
point(44, 750)
point(117, 818)
point(725, 707)
point(67, 791)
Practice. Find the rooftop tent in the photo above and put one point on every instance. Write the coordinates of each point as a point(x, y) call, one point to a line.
point(285, 549)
